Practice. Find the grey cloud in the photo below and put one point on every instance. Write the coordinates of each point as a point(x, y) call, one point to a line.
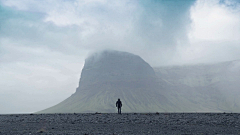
point(145, 28)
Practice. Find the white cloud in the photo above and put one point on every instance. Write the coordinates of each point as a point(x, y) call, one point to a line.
point(215, 21)
point(215, 32)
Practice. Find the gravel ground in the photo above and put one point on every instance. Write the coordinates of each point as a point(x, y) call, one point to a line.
point(126, 123)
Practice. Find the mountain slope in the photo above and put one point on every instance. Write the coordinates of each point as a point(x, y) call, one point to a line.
point(212, 87)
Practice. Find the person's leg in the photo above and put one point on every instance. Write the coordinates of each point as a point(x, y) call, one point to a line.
point(118, 110)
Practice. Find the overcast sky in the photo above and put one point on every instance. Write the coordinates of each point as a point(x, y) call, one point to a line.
point(43, 43)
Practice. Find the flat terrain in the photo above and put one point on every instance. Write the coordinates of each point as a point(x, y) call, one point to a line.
point(126, 123)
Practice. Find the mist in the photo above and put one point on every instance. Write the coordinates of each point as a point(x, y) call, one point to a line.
point(43, 44)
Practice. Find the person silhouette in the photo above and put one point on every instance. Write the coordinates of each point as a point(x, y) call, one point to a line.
point(119, 105)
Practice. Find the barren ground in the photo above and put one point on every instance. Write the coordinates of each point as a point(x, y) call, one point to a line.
point(126, 123)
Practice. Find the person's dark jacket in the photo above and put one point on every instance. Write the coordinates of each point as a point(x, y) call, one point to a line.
point(119, 104)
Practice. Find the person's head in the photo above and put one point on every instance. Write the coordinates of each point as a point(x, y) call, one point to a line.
point(119, 99)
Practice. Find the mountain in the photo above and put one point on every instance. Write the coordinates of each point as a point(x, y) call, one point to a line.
point(109, 75)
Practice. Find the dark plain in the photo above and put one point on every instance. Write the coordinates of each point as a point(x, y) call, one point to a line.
point(125, 123)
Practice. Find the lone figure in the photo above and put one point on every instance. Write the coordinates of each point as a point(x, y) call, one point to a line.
point(119, 105)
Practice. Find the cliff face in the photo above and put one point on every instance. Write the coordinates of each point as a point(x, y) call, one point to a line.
point(110, 75)
point(115, 70)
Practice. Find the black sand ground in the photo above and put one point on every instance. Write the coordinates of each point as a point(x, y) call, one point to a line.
point(126, 123)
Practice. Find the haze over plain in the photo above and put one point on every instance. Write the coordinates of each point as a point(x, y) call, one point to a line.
point(43, 44)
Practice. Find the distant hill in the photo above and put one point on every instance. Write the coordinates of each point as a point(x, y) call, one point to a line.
point(110, 75)
point(203, 87)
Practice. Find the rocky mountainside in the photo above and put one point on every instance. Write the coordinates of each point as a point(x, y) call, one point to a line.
point(109, 75)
